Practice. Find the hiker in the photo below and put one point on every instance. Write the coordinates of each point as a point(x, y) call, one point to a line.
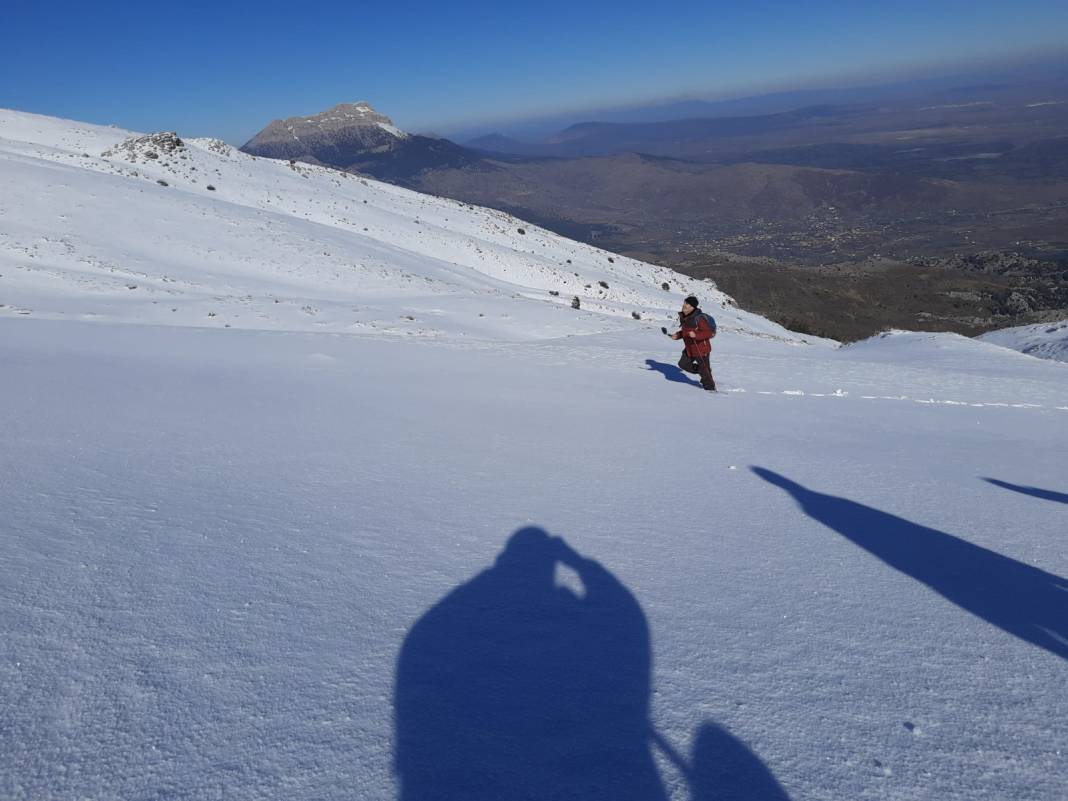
point(696, 329)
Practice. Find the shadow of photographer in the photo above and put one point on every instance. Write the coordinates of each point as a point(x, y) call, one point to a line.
point(514, 687)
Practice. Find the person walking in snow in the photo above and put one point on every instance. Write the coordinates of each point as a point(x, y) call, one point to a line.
point(696, 330)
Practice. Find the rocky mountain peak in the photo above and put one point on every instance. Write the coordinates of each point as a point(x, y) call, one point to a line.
point(359, 113)
point(341, 132)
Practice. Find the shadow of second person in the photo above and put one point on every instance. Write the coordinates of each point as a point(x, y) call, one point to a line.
point(1022, 600)
point(513, 687)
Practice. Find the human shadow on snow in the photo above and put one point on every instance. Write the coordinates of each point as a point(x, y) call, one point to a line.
point(671, 372)
point(723, 768)
point(1024, 601)
point(1048, 495)
point(514, 687)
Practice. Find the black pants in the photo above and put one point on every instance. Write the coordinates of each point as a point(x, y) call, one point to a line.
point(699, 365)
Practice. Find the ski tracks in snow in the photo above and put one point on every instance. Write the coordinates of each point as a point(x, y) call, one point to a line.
point(838, 393)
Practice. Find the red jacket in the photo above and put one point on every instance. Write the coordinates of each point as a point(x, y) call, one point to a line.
point(698, 344)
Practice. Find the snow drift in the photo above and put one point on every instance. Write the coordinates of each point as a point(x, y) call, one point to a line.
point(1044, 340)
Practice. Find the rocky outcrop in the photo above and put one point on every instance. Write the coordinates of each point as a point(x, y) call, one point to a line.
point(143, 149)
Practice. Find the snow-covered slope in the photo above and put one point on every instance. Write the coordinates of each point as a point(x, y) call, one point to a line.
point(100, 224)
point(259, 529)
point(1044, 340)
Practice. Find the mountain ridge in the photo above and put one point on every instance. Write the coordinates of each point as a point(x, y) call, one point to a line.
point(265, 243)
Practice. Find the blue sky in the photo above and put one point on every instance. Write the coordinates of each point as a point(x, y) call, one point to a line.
point(227, 68)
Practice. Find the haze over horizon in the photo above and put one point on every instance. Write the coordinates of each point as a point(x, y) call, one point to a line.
point(227, 71)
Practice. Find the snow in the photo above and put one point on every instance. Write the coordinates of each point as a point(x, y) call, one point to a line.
point(393, 129)
point(337, 252)
point(276, 560)
point(1044, 340)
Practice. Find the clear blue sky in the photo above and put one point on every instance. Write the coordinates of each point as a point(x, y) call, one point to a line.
point(227, 68)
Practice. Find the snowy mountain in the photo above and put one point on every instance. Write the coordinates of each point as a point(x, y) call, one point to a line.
point(110, 225)
point(318, 488)
point(353, 136)
point(1044, 340)
point(346, 126)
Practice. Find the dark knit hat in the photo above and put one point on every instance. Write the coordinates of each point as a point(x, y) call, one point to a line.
point(691, 301)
